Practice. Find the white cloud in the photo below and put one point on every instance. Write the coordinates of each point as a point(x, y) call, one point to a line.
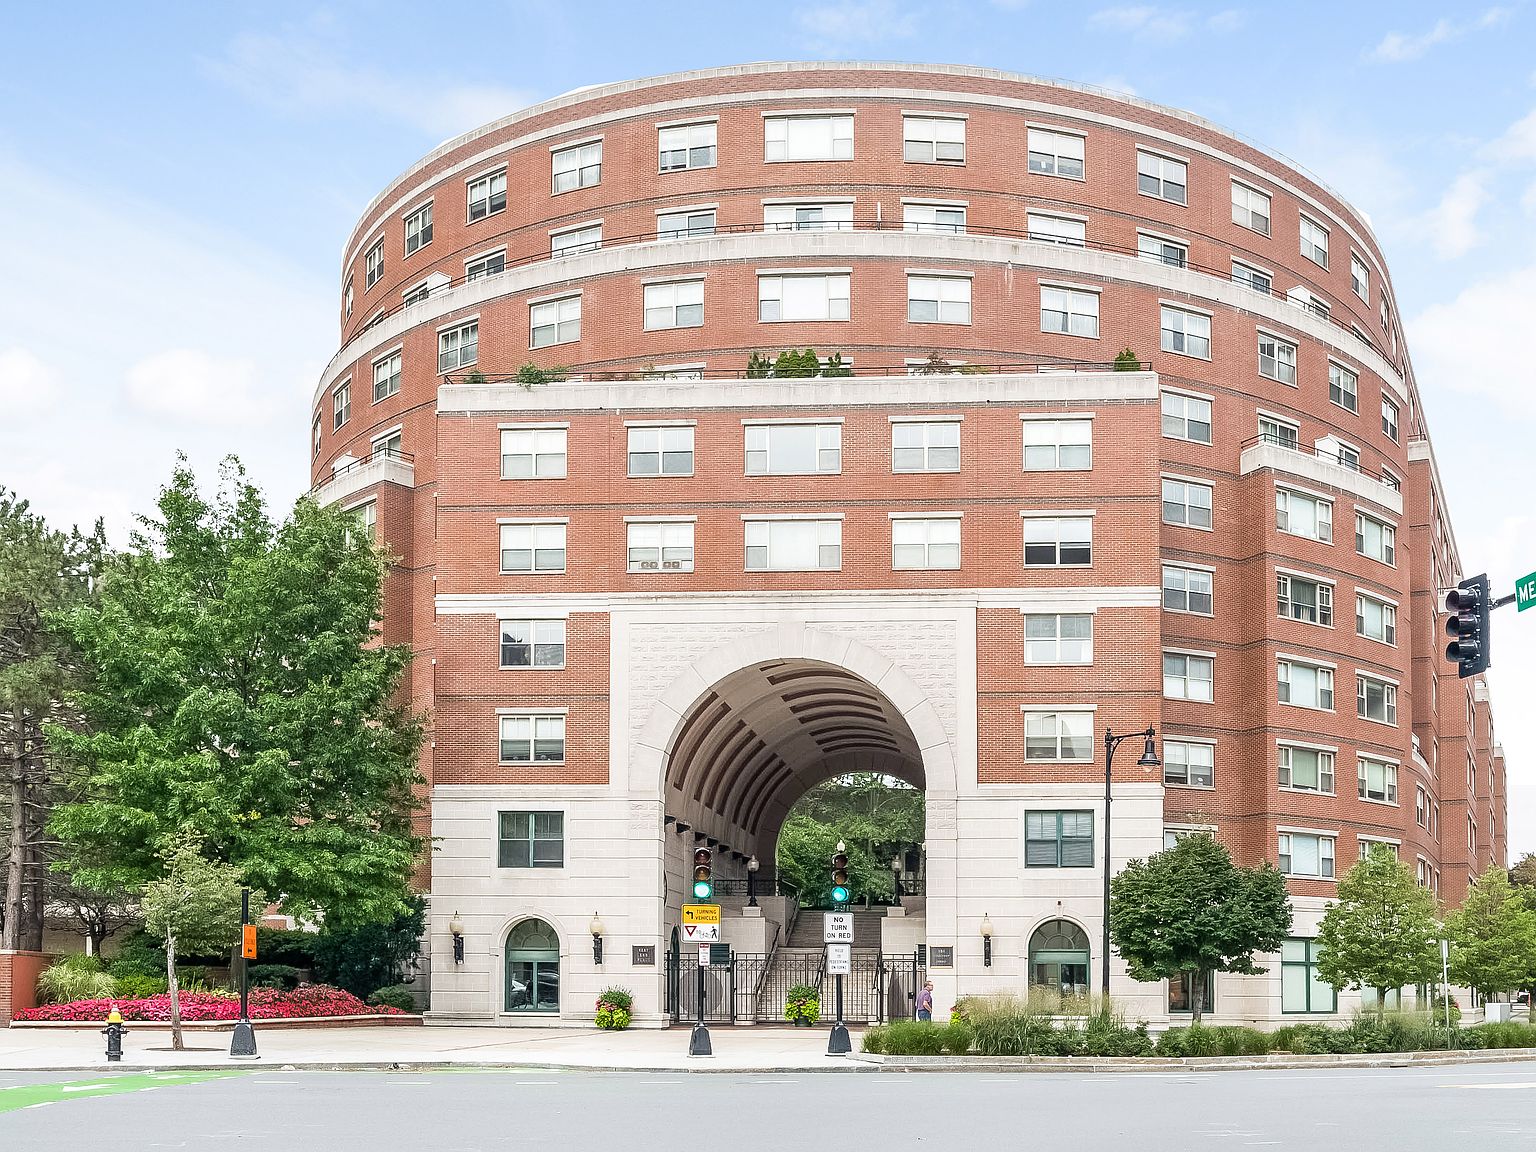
point(1143, 21)
point(1528, 199)
point(1479, 342)
point(197, 387)
point(26, 383)
point(834, 27)
point(1400, 47)
point(1227, 20)
point(1518, 144)
point(1114, 84)
point(1452, 224)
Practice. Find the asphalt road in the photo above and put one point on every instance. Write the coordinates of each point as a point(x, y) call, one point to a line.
point(1490, 1107)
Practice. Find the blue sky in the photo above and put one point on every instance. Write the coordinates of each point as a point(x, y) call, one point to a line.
point(180, 178)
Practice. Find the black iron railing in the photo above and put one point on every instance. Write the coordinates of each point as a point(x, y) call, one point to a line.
point(381, 454)
point(1342, 459)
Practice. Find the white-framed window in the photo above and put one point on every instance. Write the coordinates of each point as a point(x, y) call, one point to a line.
point(1303, 298)
point(1375, 538)
point(1069, 312)
point(687, 222)
point(794, 545)
point(675, 304)
point(1421, 876)
point(386, 376)
point(1186, 417)
point(533, 547)
point(1343, 386)
point(1256, 278)
point(1058, 541)
point(1303, 769)
point(554, 322)
point(487, 195)
point(1390, 417)
point(660, 545)
point(1161, 250)
point(417, 294)
point(1274, 430)
point(533, 453)
point(808, 138)
point(1163, 177)
point(573, 241)
point(1277, 359)
point(1375, 619)
point(1058, 445)
point(1186, 502)
point(389, 445)
point(932, 140)
point(1347, 455)
point(1377, 781)
point(418, 228)
point(1186, 333)
point(939, 299)
point(917, 216)
point(681, 146)
point(1056, 153)
point(458, 347)
point(821, 296)
point(661, 450)
point(925, 446)
point(1359, 278)
point(925, 542)
point(346, 300)
point(1366, 844)
point(1250, 208)
point(1187, 676)
point(580, 166)
point(1058, 736)
point(835, 216)
point(1188, 590)
point(1058, 638)
point(532, 739)
point(1305, 685)
point(1302, 514)
point(1391, 480)
point(1375, 699)
point(1314, 241)
point(1189, 763)
point(373, 265)
point(341, 404)
point(1306, 855)
point(489, 264)
point(1068, 230)
point(1298, 598)
point(794, 449)
point(533, 643)
point(1420, 806)
point(366, 517)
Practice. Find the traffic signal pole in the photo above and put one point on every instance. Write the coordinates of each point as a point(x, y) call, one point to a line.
point(838, 1043)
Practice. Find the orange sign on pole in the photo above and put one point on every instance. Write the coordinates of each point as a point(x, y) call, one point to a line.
point(248, 941)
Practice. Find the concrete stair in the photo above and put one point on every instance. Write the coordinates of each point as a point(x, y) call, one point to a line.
point(806, 935)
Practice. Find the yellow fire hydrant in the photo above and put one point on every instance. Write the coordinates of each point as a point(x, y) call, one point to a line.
point(114, 1032)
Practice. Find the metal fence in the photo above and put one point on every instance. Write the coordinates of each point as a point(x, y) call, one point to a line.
point(755, 987)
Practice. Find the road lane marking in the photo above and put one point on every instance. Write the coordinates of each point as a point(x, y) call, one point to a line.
point(41, 1095)
point(1522, 1084)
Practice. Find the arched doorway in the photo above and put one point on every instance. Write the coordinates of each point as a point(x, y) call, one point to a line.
point(1058, 958)
point(532, 968)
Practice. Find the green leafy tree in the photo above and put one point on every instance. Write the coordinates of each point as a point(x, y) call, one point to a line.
point(239, 691)
point(1189, 911)
point(1383, 930)
point(368, 957)
point(1523, 874)
point(1493, 937)
point(871, 814)
point(1127, 361)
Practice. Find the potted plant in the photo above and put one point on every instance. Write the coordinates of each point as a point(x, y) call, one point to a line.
point(802, 1006)
point(613, 1009)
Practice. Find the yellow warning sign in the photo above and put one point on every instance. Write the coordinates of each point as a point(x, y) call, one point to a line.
point(701, 913)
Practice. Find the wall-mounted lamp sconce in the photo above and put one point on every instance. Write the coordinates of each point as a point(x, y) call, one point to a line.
point(456, 930)
point(596, 928)
point(986, 940)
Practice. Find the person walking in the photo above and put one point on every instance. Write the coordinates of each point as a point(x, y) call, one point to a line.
point(925, 1002)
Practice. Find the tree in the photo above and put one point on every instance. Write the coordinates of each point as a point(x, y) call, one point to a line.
point(370, 956)
point(1523, 874)
point(1382, 931)
point(1189, 911)
point(194, 905)
point(873, 815)
point(1493, 937)
point(240, 691)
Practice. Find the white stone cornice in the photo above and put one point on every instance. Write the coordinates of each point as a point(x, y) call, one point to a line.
point(385, 468)
point(1279, 458)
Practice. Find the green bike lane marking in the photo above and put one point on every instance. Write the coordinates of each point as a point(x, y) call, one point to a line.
point(33, 1095)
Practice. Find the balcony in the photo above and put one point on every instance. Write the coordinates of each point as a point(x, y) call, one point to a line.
point(1320, 466)
point(348, 479)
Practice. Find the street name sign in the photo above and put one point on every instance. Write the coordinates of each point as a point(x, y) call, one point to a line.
point(839, 959)
point(837, 928)
point(701, 933)
point(701, 913)
point(1525, 592)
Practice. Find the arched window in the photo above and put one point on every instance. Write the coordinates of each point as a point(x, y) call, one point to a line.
point(533, 968)
point(1058, 958)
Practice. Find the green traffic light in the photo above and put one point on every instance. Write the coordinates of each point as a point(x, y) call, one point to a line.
point(703, 889)
point(840, 895)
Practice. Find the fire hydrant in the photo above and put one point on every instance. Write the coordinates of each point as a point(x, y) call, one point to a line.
point(114, 1032)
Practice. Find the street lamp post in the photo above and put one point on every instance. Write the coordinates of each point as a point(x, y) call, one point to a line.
point(752, 867)
point(1148, 760)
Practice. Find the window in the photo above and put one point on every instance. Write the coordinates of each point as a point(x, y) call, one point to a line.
point(1367, 844)
point(458, 347)
point(367, 520)
point(1375, 619)
point(386, 376)
point(679, 304)
point(1188, 677)
point(1161, 177)
point(794, 545)
point(1161, 251)
point(1277, 359)
point(1057, 541)
point(1306, 855)
point(533, 643)
point(933, 217)
point(1187, 590)
point(1306, 769)
point(1058, 445)
point(1186, 417)
point(808, 217)
point(661, 451)
point(1273, 430)
point(1304, 515)
point(1053, 639)
point(794, 449)
point(1250, 208)
point(417, 294)
point(588, 238)
point(1316, 305)
point(554, 322)
point(532, 739)
point(387, 446)
point(341, 404)
point(533, 547)
point(1187, 333)
point(1389, 418)
point(1055, 153)
point(418, 229)
point(925, 543)
point(347, 300)
point(1187, 503)
point(1255, 278)
point(1375, 539)
point(1314, 241)
point(1310, 601)
point(1058, 736)
point(1058, 839)
point(1422, 873)
point(689, 222)
point(374, 265)
point(808, 138)
point(1189, 763)
point(1068, 312)
point(530, 839)
point(487, 195)
point(1058, 229)
point(925, 446)
point(661, 546)
point(1378, 781)
point(1343, 387)
point(1420, 806)
point(823, 297)
point(1375, 699)
point(1178, 988)
point(939, 299)
point(491, 264)
point(533, 453)
point(1302, 988)
point(932, 140)
point(1359, 278)
point(580, 166)
point(1306, 685)
point(685, 146)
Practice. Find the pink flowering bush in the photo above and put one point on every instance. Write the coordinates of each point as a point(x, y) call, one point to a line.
point(266, 1004)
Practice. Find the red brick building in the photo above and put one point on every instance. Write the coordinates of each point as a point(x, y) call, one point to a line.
point(655, 591)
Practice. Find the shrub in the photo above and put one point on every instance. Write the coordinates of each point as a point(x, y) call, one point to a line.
point(138, 954)
point(1509, 1034)
point(274, 976)
point(803, 1002)
point(530, 375)
point(1127, 361)
point(1106, 1034)
point(835, 365)
point(77, 977)
point(288, 946)
point(614, 1008)
point(394, 996)
point(958, 1038)
point(759, 367)
point(1437, 1009)
point(873, 1039)
point(135, 986)
point(915, 1038)
point(265, 1004)
point(372, 955)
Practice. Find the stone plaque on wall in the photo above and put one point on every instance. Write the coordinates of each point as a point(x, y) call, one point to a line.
point(642, 954)
point(941, 957)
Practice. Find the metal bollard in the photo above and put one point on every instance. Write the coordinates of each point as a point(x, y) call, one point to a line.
point(114, 1032)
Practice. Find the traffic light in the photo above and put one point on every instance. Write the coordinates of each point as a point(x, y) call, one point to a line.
point(1469, 604)
point(840, 893)
point(703, 886)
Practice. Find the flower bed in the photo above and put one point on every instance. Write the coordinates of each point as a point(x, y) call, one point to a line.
point(308, 1001)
